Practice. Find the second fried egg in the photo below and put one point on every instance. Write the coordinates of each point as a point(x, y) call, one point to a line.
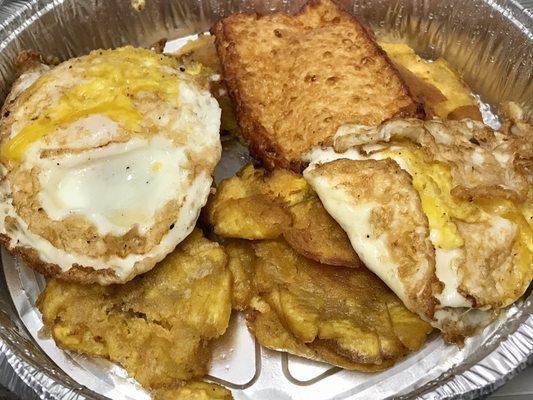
point(440, 210)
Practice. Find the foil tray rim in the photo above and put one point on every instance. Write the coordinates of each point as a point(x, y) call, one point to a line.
point(508, 358)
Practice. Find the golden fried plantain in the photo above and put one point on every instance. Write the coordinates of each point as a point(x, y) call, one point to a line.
point(158, 325)
point(252, 217)
point(343, 316)
point(231, 216)
point(266, 326)
point(258, 205)
point(435, 83)
point(404, 322)
point(241, 264)
point(315, 235)
point(194, 390)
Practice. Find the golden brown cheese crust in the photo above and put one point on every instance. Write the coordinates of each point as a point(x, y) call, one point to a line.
point(295, 79)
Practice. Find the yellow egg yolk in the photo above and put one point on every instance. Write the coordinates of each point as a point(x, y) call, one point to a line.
point(433, 182)
point(109, 80)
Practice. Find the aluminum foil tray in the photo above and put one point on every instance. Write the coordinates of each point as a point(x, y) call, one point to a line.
point(490, 42)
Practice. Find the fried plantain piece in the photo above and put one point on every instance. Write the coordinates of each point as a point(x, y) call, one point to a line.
point(252, 217)
point(194, 390)
point(158, 325)
point(404, 323)
point(343, 316)
point(258, 205)
point(268, 329)
point(435, 83)
point(315, 235)
point(241, 262)
point(231, 215)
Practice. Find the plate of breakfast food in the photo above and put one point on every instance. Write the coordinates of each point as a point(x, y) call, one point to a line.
point(283, 200)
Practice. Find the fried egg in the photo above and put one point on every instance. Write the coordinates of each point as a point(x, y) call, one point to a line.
point(440, 210)
point(107, 160)
point(440, 88)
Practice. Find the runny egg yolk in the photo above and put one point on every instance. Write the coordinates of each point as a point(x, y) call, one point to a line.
point(109, 80)
point(433, 182)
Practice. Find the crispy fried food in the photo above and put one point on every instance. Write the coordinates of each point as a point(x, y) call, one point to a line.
point(304, 75)
point(343, 316)
point(435, 83)
point(394, 232)
point(157, 326)
point(317, 236)
point(201, 55)
point(252, 217)
point(268, 329)
point(251, 206)
point(241, 264)
point(194, 390)
point(257, 205)
point(201, 50)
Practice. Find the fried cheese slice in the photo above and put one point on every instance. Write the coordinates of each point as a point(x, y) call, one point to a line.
point(158, 326)
point(435, 83)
